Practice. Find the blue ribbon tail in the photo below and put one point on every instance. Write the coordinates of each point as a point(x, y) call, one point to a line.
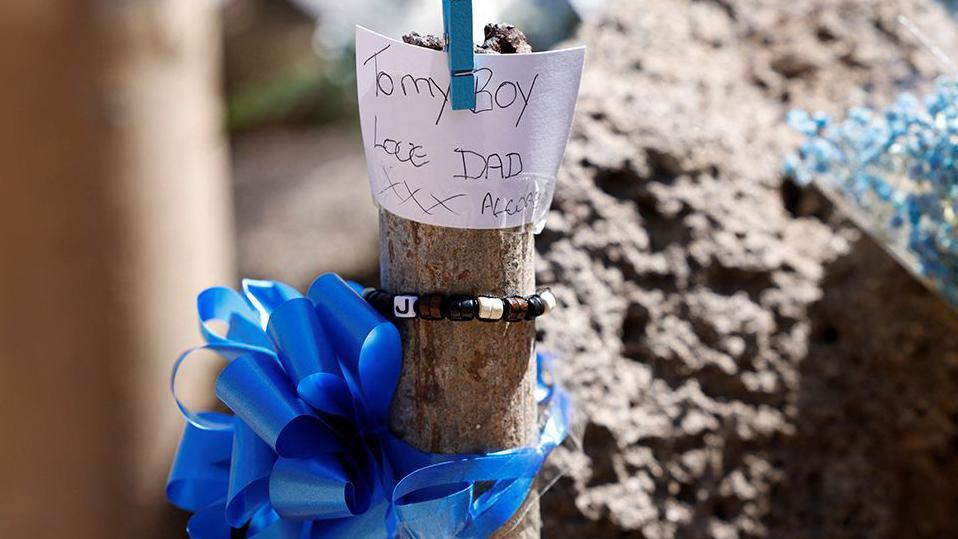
point(437, 511)
point(432, 489)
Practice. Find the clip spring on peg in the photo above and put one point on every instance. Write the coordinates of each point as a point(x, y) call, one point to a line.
point(457, 26)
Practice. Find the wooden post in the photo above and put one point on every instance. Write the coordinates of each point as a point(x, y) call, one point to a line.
point(466, 386)
point(115, 207)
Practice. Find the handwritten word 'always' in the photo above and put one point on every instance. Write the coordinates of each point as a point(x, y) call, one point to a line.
point(476, 165)
point(491, 94)
point(496, 205)
point(414, 154)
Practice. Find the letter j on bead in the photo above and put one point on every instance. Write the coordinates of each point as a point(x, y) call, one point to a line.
point(404, 306)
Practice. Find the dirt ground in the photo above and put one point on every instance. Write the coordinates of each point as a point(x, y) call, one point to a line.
point(750, 365)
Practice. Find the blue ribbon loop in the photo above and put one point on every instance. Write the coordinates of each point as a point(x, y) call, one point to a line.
point(308, 452)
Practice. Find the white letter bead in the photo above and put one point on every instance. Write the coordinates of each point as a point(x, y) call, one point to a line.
point(405, 306)
point(549, 300)
point(490, 308)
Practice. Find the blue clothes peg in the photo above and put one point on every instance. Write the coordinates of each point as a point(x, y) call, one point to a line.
point(457, 26)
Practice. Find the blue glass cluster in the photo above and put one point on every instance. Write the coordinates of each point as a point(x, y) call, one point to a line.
point(896, 174)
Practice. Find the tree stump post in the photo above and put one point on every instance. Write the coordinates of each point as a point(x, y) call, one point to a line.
point(466, 387)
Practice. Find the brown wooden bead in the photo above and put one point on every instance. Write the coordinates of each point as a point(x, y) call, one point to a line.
point(516, 308)
point(430, 307)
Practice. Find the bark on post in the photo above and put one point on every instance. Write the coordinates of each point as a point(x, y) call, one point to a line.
point(466, 386)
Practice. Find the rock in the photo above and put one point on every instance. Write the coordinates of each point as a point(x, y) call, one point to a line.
point(505, 39)
point(500, 38)
point(429, 41)
point(749, 364)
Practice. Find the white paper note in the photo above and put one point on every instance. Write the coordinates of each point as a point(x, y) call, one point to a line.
point(490, 167)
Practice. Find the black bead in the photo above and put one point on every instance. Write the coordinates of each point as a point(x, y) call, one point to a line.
point(462, 308)
point(382, 302)
point(537, 307)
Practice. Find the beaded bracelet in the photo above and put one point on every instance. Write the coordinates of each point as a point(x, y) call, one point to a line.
point(461, 308)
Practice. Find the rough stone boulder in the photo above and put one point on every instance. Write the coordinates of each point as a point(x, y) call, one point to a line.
point(749, 363)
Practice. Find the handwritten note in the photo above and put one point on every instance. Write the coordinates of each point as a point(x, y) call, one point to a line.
point(490, 167)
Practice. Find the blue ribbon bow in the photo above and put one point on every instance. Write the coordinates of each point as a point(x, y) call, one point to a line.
point(308, 452)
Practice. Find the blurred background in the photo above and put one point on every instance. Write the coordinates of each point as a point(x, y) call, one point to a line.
point(749, 363)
